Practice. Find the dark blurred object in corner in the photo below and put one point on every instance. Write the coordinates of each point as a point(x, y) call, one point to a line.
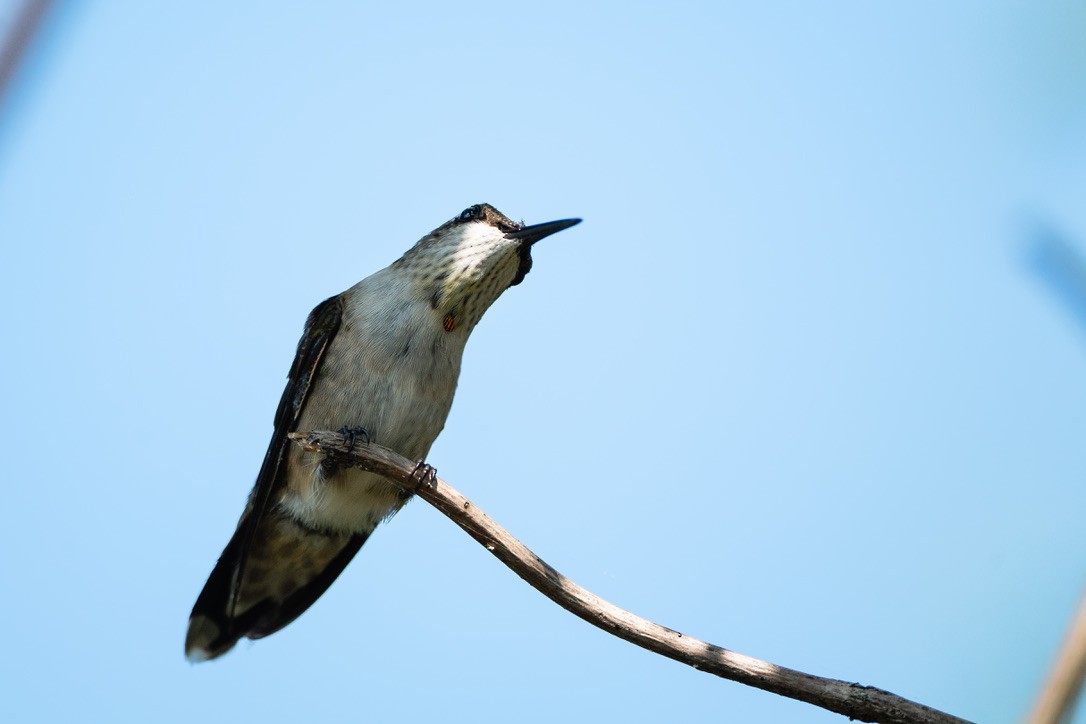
point(22, 22)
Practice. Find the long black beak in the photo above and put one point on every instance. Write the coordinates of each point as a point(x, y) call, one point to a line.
point(535, 232)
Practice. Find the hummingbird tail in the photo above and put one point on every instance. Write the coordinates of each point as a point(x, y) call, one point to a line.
point(259, 588)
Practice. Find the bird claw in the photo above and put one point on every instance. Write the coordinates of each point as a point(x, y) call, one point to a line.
point(424, 474)
point(351, 435)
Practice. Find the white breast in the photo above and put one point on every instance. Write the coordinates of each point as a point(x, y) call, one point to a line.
point(392, 370)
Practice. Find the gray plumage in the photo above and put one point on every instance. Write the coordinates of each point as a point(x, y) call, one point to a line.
point(384, 356)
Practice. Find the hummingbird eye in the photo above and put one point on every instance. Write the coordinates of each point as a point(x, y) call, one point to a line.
point(472, 213)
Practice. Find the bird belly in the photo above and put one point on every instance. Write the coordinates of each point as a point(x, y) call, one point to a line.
point(399, 410)
point(349, 500)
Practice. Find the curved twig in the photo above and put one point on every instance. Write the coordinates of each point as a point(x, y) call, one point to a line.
point(865, 703)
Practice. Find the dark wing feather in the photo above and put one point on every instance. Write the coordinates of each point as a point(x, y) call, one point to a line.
point(320, 329)
point(224, 584)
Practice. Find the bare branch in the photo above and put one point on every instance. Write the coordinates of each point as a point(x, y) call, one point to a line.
point(855, 701)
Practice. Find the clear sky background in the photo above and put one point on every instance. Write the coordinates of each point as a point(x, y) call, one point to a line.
point(809, 382)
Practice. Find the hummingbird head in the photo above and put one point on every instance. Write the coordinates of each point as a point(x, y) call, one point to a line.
point(465, 264)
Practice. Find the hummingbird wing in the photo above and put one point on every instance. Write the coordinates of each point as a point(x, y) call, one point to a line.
point(265, 538)
point(320, 330)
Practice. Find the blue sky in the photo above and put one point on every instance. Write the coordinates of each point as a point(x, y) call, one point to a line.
point(809, 382)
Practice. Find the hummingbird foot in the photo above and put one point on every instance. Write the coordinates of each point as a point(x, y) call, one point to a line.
point(336, 460)
point(424, 474)
point(351, 435)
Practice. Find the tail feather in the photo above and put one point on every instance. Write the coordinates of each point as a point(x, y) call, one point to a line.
point(285, 569)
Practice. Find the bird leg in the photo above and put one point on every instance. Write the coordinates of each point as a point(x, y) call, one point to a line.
point(333, 460)
point(351, 435)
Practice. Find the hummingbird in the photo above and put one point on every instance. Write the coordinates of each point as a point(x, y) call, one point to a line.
point(378, 362)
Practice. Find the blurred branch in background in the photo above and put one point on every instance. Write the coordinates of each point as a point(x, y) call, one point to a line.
point(1060, 691)
point(18, 24)
point(1063, 266)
